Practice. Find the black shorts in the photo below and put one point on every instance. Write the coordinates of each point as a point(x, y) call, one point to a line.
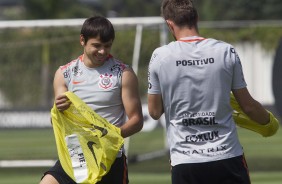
point(118, 173)
point(228, 171)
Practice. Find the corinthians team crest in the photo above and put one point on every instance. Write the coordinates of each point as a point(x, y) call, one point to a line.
point(106, 81)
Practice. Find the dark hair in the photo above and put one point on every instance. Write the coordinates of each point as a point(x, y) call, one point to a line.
point(181, 12)
point(98, 26)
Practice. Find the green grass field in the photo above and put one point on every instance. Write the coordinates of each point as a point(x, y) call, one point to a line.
point(263, 155)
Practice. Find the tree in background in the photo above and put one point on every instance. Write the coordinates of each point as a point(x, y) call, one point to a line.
point(129, 8)
point(239, 9)
point(55, 9)
point(208, 9)
point(61, 44)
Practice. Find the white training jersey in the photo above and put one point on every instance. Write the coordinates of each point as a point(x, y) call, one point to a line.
point(99, 87)
point(195, 76)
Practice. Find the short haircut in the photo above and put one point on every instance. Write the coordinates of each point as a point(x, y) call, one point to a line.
point(98, 26)
point(181, 12)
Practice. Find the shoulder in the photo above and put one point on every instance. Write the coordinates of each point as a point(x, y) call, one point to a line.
point(161, 53)
point(165, 49)
point(71, 64)
point(116, 64)
point(223, 46)
point(218, 43)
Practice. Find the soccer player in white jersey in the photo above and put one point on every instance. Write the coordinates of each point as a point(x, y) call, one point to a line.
point(190, 81)
point(104, 83)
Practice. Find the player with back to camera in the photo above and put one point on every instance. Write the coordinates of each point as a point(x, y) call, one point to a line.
point(107, 85)
point(190, 81)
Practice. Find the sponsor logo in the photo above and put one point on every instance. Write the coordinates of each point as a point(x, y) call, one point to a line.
point(194, 62)
point(199, 121)
point(104, 131)
point(213, 151)
point(77, 82)
point(199, 118)
point(208, 136)
point(91, 146)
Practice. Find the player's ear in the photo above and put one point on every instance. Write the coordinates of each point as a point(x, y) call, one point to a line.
point(169, 25)
point(82, 40)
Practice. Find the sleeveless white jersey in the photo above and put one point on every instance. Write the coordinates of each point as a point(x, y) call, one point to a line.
point(100, 87)
point(195, 77)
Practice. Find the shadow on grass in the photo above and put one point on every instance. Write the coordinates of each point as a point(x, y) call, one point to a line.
point(161, 164)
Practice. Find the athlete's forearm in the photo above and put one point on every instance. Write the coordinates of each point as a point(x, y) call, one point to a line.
point(257, 113)
point(132, 126)
point(249, 106)
point(155, 106)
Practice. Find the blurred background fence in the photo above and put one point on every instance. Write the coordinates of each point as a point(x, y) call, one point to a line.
point(31, 51)
point(36, 37)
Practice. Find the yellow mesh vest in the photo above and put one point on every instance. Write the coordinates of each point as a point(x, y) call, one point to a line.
point(87, 144)
point(242, 120)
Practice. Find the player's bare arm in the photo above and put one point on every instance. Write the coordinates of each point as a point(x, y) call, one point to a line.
point(132, 104)
point(250, 106)
point(155, 105)
point(60, 87)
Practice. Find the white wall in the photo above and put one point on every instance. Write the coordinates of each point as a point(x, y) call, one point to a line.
point(257, 67)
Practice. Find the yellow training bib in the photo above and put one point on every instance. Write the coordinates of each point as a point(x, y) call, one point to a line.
point(87, 144)
point(242, 120)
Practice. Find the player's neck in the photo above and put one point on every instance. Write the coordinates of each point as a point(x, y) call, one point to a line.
point(182, 33)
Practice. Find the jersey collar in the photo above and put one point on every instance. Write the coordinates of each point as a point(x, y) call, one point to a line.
point(191, 39)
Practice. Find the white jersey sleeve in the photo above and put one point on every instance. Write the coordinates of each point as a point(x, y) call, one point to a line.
point(238, 76)
point(153, 71)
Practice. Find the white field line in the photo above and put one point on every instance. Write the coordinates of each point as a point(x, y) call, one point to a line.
point(26, 163)
point(50, 163)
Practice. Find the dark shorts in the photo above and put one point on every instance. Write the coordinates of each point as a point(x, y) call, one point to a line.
point(118, 173)
point(229, 171)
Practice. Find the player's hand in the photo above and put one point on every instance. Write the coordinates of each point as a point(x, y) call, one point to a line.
point(242, 120)
point(62, 102)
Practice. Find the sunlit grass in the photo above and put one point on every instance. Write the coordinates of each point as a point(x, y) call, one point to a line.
point(263, 156)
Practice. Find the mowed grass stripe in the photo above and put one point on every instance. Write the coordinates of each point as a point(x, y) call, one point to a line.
point(263, 155)
point(32, 176)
